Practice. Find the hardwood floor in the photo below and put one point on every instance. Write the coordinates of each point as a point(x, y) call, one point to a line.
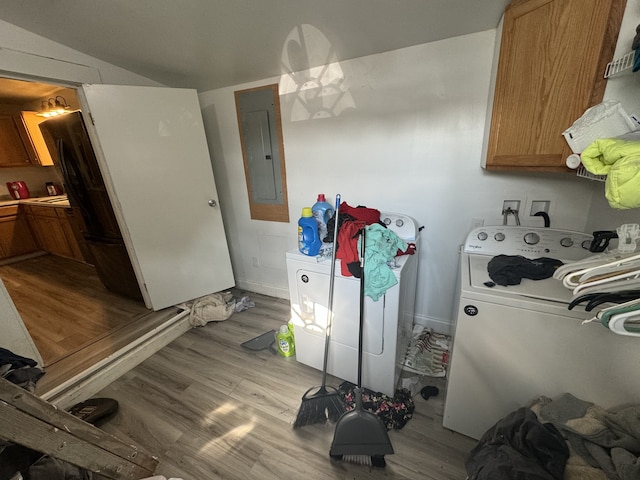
point(64, 305)
point(74, 321)
point(209, 409)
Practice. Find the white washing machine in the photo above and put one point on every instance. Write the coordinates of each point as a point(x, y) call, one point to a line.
point(515, 343)
point(388, 322)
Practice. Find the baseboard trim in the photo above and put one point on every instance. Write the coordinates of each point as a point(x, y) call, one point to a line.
point(269, 290)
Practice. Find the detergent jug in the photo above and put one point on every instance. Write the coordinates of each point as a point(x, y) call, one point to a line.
point(284, 339)
point(308, 236)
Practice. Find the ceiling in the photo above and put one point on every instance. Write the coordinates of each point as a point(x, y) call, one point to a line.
point(208, 44)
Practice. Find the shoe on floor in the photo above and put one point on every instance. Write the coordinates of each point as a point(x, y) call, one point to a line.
point(94, 409)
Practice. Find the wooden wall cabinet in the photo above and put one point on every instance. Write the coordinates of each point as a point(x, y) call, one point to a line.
point(31, 122)
point(15, 146)
point(15, 235)
point(552, 59)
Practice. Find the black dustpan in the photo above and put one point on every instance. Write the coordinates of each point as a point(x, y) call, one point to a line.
point(361, 435)
point(261, 342)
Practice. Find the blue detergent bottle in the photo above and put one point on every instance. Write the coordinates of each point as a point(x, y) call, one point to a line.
point(322, 212)
point(308, 237)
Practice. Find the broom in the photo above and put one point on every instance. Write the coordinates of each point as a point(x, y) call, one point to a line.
point(320, 403)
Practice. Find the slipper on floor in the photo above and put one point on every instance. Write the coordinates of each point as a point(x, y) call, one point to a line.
point(94, 409)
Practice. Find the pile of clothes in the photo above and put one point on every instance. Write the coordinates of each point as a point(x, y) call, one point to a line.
point(19, 370)
point(381, 247)
point(565, 438)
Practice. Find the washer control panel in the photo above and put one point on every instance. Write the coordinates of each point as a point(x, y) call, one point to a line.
point(402, 225)
point(529, 242)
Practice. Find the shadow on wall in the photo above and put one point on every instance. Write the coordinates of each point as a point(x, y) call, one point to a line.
point(313, 84)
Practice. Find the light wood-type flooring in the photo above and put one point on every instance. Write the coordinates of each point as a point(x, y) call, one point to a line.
point(74, 321)
point(64, 305)
point(210, 409)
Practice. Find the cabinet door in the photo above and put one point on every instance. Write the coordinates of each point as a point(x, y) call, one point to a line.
point(49, 232)
point(31, 121)
point(71, 229)
point(550, 70)
point(13, 150)
point(15, 236)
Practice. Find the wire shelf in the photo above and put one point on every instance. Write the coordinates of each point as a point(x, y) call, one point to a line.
point(584, 173)
point(619, 65)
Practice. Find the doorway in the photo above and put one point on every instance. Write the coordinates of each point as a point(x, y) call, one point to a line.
point(62, 302)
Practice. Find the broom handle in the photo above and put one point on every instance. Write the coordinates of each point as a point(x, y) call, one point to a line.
point(331, 281)
point(361, 327)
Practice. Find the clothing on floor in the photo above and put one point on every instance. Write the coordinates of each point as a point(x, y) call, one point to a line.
point(608, 441)
point(519, 447)
point(394, 411)
point(19, 370)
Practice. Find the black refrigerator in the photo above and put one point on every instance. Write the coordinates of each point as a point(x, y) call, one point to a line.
point(69, 144)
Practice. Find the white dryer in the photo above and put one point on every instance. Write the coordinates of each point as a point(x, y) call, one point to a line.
point(388, 322)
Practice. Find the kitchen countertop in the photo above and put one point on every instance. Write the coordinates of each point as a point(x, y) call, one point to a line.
point(50, 201)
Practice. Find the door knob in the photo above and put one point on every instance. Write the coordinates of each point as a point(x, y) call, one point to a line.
point(212, 203)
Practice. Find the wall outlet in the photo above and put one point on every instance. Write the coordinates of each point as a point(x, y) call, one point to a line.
point(512, 204)
point(540, 206)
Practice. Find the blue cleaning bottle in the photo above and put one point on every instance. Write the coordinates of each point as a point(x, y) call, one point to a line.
point(322, 212)
point(308, 237)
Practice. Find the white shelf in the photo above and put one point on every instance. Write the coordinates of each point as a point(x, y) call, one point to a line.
point(619, 65)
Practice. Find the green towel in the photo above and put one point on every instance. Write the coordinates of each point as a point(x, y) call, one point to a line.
point(619, 160)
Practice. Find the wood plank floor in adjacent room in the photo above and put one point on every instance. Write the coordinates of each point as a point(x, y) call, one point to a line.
point(209, 409)
point(64, 305)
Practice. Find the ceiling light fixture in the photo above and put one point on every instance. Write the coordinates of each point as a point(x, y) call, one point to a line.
point(54, 106)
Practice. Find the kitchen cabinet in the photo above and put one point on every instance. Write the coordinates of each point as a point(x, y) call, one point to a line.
point(52, 231)
point(15, 235)
point(31, 122)
point(552, 59)
point(15, 147)
point(74, 226)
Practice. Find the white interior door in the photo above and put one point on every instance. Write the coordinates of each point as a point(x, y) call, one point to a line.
point(152, 150)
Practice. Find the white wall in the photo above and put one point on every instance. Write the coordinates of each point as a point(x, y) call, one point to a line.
point(400, 131)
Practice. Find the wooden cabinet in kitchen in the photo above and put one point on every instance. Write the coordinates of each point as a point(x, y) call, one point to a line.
point(74, 226)
point(15, 146)
point(15, 236)
point(53, 232)
point(31, 122)
point(552, 59)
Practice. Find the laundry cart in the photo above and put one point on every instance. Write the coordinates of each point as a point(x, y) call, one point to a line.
point(388, 322)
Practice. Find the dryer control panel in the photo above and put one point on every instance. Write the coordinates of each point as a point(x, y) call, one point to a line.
point(402, 225)
point(528, 242)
